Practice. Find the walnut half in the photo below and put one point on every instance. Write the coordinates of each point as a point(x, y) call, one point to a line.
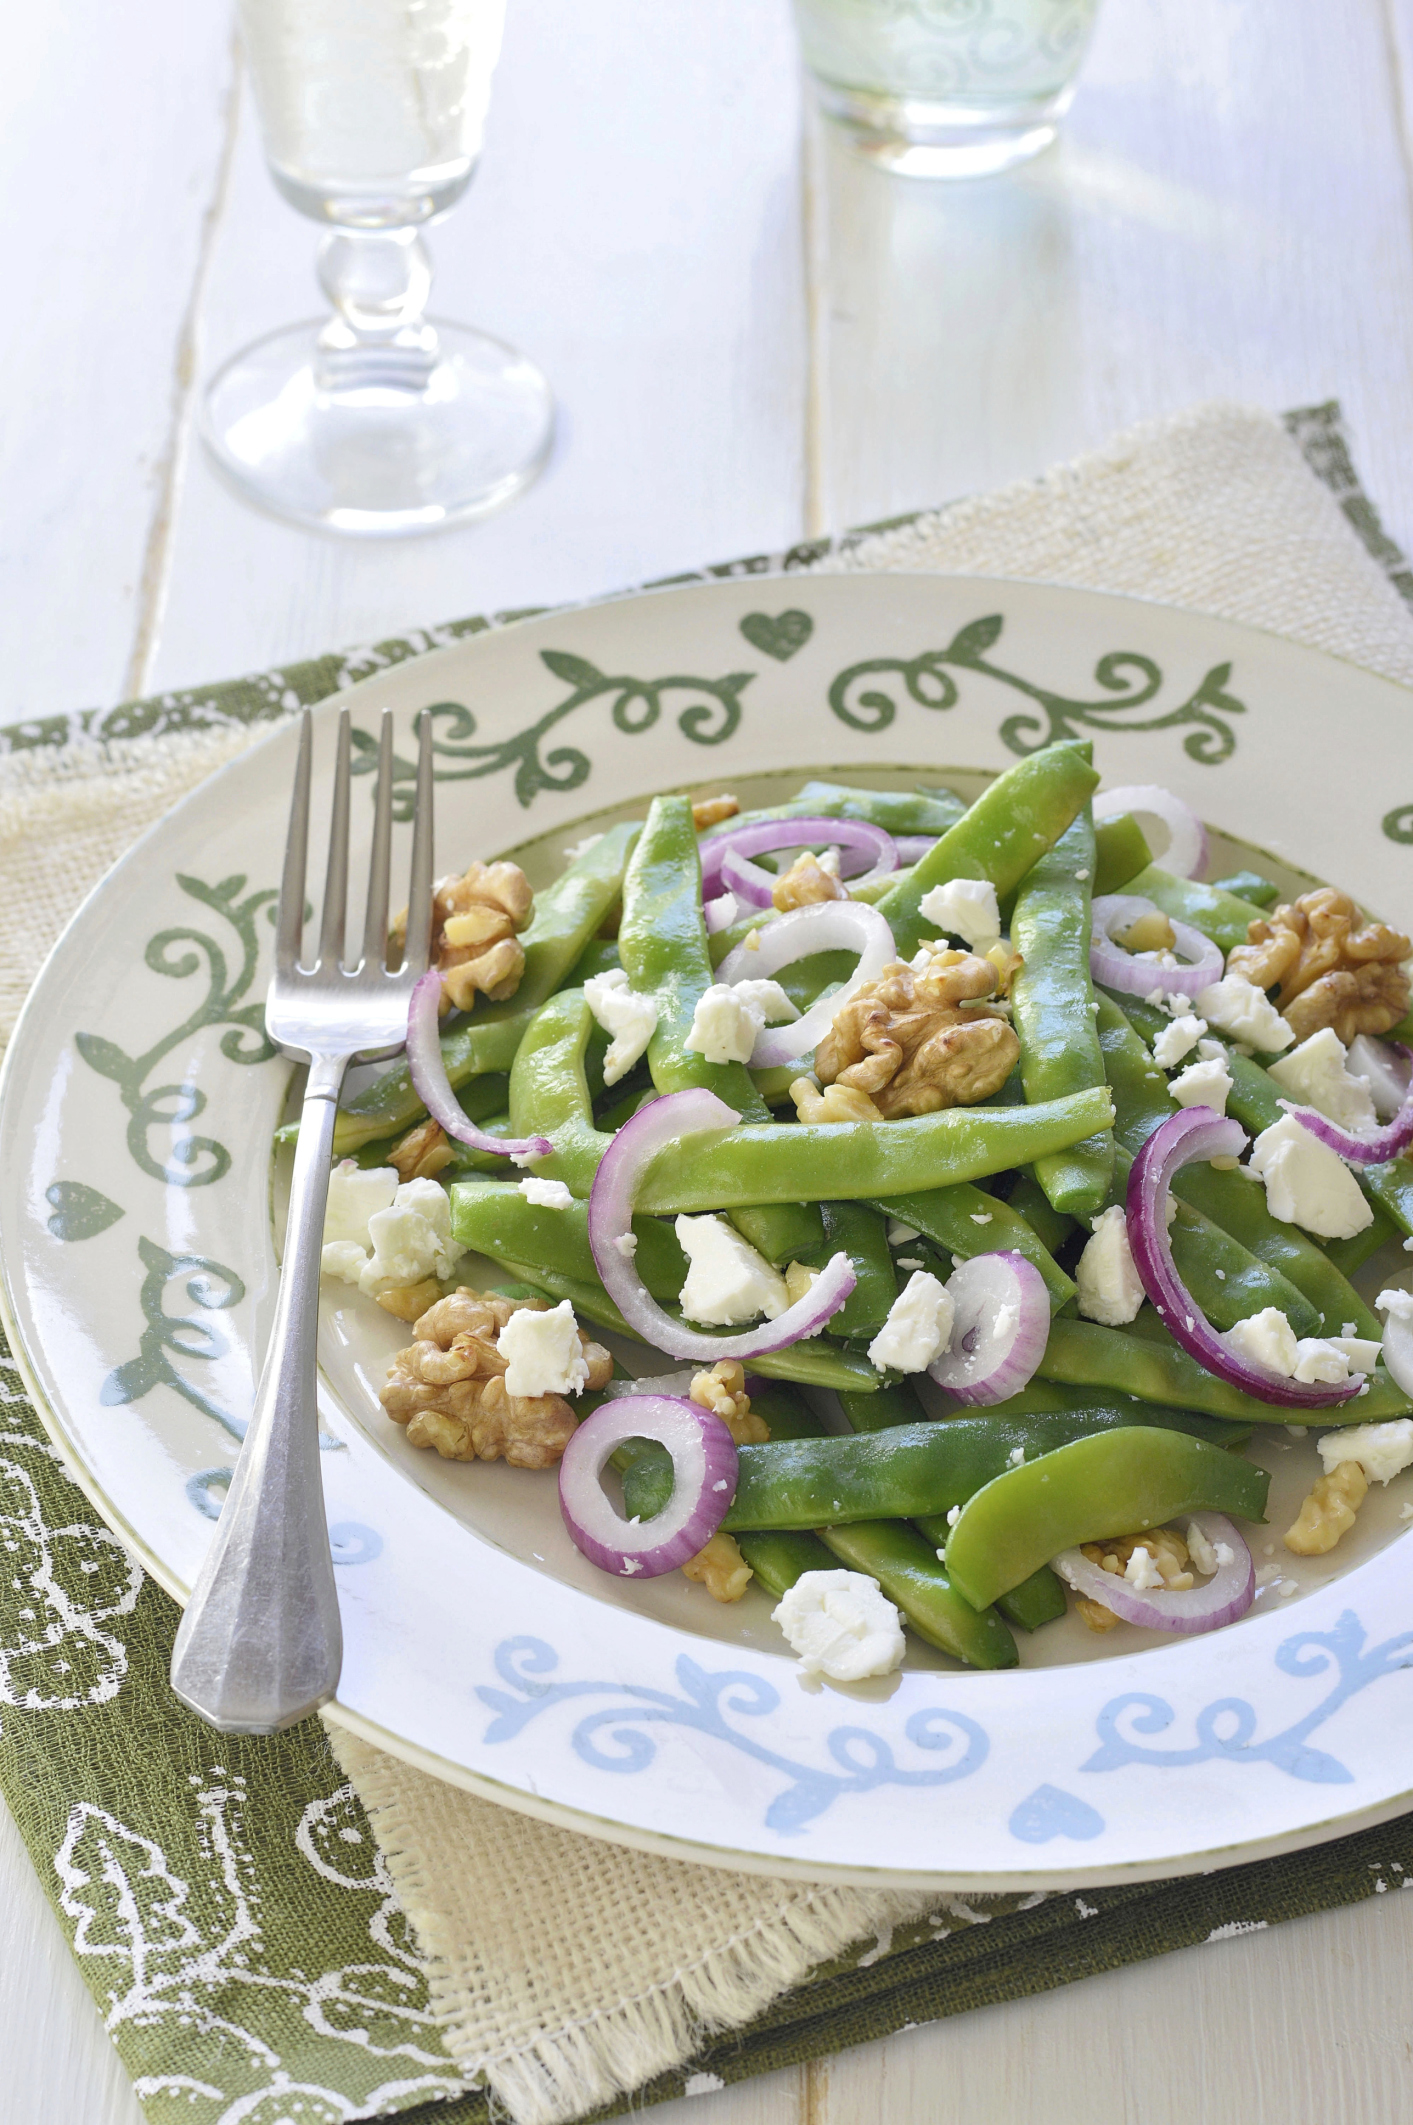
point(448, 1386)
point(914, 1041)
point(476, 919)
point(1332, 968)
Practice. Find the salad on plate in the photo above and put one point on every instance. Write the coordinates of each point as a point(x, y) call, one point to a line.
point(957, 1190)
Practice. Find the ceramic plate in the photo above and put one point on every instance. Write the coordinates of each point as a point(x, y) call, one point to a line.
point(139, 1269)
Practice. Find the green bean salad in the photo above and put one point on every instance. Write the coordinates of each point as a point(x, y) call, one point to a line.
point(958, 1192)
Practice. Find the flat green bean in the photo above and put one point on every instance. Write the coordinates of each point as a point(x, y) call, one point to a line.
point(566, 914)
point(890, 1406)
point(1222, 916)
point(1118, 1483)
point(910, 1573)
point(1083, 1354)
point(1009, 827)
point(549, 1091)
point(1053, 1008)
point(1249, 885)
point(779, 1559)
point(1120, 853)
point(966, 1221)
point(855, 1230)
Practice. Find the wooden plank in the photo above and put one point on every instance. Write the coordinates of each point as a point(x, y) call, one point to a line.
point(1305, 2021)
point(112, 125)
point(635, 227)
point(1227, 215)
point(774, 2099)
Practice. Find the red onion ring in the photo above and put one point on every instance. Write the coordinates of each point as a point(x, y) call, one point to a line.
point(611, 1202)
point(824, 926)
point(1199, 1133)
point(846, 835)
point(433, 1087)
point(1186, 853)
point(913, 847)
point(1228, 1594)
point(704, 1483)
point(1387, 1080)
point(999, 1330)
point(1372, 1150)
point(1117, 969)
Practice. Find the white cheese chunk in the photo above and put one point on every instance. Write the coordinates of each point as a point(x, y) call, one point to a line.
point(1307, 1183)
point(629, 1017)
point(1200, 1550)
point(548, 1195)
point(354, 1194)
point(1109, 1289)
point(1315, 1075)
point(918, 1328)
point(728, 1281)
point(965, 908)
point(899, 1234)
point(1141, 1572)
point(1383, 1451)
point(1203, 1084)
point(545, 1356)
point(1398, 1305)
point(412, 1240)
point(1267, 1340)
point(1236, 1006)
point(1320, 1361)
point(343, 1259)
point(1178, 1039)
point(727, 1021)
point(841, 1625)
point(1361, 1352)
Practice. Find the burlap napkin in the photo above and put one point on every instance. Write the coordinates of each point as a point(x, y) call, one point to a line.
point(248, 1944)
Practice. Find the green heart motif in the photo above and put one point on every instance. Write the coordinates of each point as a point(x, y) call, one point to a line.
point(80, 1212)
point(780, 637)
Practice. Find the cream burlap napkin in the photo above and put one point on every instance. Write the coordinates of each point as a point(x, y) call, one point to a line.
point(566, 1972)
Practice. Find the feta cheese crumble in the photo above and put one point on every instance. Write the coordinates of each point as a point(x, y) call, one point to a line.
point(842, 1625)
point(1308, 1184)
point(1178, 1039)
point(727, 1021)
point(411, 1239)
point(343, 1259)
point(544, 1352)
point(1203, 1084)
point(1234, 1005)
point(1383, 1451)
point(548, 1195)
point(1267, 1340)
point(918, 1328)
point(1315, 1075)
point(728, 1282)
point(965, 908)
point(1141, 1572)
point(629, 1017)
point(1207, 1556)
point(354, 1194)
point(1109, 1289)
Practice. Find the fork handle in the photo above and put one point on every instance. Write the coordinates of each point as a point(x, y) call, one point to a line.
point(260, 1645)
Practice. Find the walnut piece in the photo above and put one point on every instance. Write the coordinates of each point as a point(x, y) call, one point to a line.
point(1331, 966)
point(408, 1302)
point(1328, 1512)
point(448, 1388)
point(421, 1155)
point(1165, 1547)
point(723, 1390)
point(710, 811)
point(841, 1103)
point(806, 881)
point(720, 1568)
point(916, 1041)
point(475, 921)
point(1096, 1615)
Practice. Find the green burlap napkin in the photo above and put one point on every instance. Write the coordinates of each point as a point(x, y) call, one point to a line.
point(227, 1900)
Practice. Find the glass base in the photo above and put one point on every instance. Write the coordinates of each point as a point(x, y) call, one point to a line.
point(433, 428)
point(915, 137)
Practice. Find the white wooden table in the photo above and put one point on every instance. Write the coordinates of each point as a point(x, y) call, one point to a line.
point(752, 337)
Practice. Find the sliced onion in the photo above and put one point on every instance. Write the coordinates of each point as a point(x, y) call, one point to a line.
point(1198, 1133)
point(1228, 1594)
point(1384, 1066)
point(999, 1331)
point(854, 838)
point(1397, 1347)
point(913, 847)
point(1117, 969)
point(824, 926)
point(659, 1383)
point(1370, 1150)
point(703, 1484)
point(611, 1203)
point(433, 1087)
point(1186, 853)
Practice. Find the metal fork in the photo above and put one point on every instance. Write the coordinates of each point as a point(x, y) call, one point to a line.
point(260, 1645)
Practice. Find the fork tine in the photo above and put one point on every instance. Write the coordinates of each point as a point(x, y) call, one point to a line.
point(419, 898)
point(331, 932)
point(375, 929)
point(289, 925)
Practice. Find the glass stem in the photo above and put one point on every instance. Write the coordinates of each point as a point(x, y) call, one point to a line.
point(378, 281)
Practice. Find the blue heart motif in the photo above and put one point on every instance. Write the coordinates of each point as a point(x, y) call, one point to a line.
point(1047, 1813)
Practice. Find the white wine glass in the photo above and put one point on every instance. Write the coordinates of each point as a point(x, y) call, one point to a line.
point(375, 420)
